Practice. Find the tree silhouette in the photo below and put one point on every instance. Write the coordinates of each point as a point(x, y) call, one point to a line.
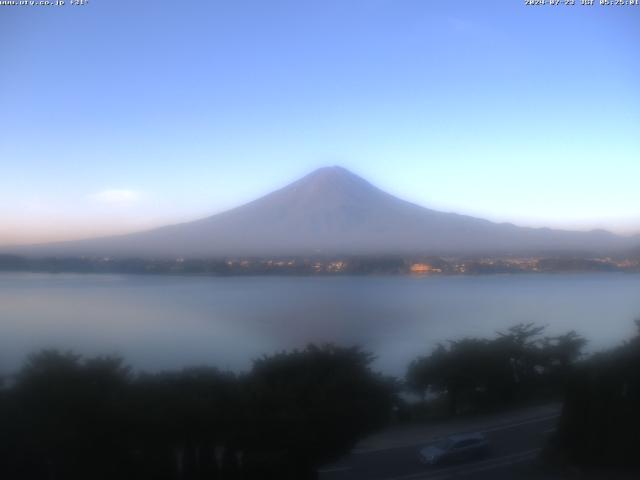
point(67, 418)
point(600, 422)
point(310, 406)
point(65, 414)
point(477, 374)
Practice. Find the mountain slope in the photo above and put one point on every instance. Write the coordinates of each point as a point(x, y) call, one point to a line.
point(334, 211)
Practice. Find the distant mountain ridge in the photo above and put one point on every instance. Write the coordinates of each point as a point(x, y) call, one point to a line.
point(333, 211)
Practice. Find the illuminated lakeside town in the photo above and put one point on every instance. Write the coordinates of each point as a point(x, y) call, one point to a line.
point(326, 265)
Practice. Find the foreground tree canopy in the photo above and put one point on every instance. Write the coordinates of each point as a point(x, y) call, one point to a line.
point(67, 418)
point(600, 423)
point(476, 374)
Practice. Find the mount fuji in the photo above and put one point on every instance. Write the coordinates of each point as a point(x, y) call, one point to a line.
point(333, 211)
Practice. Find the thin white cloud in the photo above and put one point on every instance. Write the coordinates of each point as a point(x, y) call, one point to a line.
point(116, 197)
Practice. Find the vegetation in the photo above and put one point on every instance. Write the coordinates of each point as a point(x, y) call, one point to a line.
point(477, 374)
point(67, 418)
point(600, 422)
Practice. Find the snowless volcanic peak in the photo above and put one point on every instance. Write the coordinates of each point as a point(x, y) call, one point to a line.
point(334, 211)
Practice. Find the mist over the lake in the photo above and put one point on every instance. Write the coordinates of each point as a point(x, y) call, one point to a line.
point(160, 322)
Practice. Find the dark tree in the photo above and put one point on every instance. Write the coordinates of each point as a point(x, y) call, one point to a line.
point(68, 418)
point(310, 406)
point(480, 374)
point(600, 422)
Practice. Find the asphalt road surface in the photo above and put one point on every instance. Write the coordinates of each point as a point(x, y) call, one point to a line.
point(515, 443)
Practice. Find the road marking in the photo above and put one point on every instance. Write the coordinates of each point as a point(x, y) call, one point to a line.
point(489, 464)
point(432, 438)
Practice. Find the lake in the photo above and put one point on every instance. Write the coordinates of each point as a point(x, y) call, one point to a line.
point(162, 322)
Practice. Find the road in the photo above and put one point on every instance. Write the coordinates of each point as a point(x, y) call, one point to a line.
point(515, 439)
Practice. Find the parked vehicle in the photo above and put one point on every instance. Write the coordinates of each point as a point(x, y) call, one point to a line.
point(456, 448)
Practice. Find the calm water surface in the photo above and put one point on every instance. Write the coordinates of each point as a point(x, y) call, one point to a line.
point(159, 322)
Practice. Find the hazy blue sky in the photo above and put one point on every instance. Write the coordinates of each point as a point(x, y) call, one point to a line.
point(120, 115)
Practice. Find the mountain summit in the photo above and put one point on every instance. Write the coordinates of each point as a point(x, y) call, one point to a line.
point(334, 211)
